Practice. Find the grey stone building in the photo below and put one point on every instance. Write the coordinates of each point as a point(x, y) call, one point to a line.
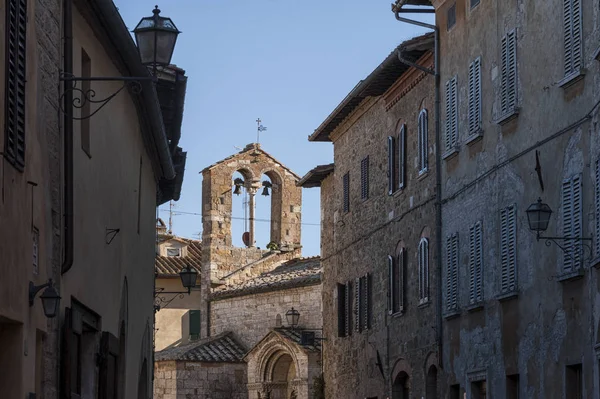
point(520, 118)
point(378, 230)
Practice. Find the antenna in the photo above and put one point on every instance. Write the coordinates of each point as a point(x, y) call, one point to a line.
point(170, 217)
point(259, 128)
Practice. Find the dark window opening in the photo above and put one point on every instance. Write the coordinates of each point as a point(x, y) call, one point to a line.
point(574, 382)
point(364, 178)
point(479, 389)
point(451, 16)
point(454, 391)
point(346, 183)
point(512, 386)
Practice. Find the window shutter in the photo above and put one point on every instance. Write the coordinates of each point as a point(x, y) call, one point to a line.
point(346, 182)
point(475, 96)
point(402, 156)
point(401, 271)
point(364, 178)
point(448, 138)
point(572, 222)
point(391, 165)
point(597, 205)
point(479, 257)
point(509, 72)
point(454, 116)
point(341, 309)
point(194, 316)
point(508, 249)
point(16, 55)
point(357, 304)
point(573, 35)
point(452, 272)
point(475, 264)
point(422, 138)
point(391, 285)
point(348, 309)
point(367, 301)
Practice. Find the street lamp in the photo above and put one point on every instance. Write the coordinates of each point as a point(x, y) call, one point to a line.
point(156, 37)
point(188, 277)
point(50, 298)
point(292, 316)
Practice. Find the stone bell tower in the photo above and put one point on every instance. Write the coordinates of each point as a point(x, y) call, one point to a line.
point(218, 187)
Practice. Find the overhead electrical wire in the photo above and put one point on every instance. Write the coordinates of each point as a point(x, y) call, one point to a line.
point(175, 213)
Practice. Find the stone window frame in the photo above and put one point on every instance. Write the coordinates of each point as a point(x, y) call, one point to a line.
point(423, 140)
point(423, 270)
point(396, 282)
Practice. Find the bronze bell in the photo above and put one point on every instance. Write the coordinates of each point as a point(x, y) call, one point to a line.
point(237, 190)
point(265, 191)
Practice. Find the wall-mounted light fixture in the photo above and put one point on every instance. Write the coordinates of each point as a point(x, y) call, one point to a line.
point(538, 216)
point(292, 317)
point(188, 277)
point(156, 37)
point(50, 298)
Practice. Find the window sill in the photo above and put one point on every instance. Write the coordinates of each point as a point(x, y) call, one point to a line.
point(450, 153)
point(474, 137)
point(398, 314)
point(570, 276)
point(572, 78)
point(423, 174)
point(424, 304)
point(398, 192)
point(595, 262)
point(452, 314)
point(507, 296)
point(475, 307)
point(508, 116)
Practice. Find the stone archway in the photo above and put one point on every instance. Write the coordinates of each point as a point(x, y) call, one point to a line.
point(400, 386)
point(280, 376)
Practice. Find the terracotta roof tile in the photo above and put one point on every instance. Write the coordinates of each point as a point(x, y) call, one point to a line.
point(295, 335)
point(170, 266)
point(294, 273)
point(222, 348)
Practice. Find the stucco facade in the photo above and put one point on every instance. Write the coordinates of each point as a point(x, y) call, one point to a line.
point(394, 354)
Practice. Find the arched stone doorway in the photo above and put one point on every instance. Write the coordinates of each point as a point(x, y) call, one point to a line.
point(400, 388)
point(280, 376)
point(431, 383)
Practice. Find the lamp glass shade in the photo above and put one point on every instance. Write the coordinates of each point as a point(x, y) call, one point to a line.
point(538, 216)
point(50, 301)
point(292, 316)
point(156, 37)
point(188, 277)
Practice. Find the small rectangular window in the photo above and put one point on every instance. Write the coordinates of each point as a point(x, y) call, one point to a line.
point(346, 193)
point(396, 283)
point(512, 386)
point(84, 123)
point(597, 207)
point(402, 157)
point(174, 252)
point(364, 178)
point(341, 308)
point(451, 16)
point(574, 381)
point(391, 165)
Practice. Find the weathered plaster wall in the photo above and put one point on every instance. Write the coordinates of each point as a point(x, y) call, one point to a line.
point(251, 317)
point(358, 242)
point(183, 380)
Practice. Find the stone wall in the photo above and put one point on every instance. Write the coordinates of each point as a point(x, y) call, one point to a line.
point(251, 317)
point(184, 380)
point(359, 242)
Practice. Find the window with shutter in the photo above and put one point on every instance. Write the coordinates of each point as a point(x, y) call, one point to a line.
point(396, 283)
point(573, 32)
point(364, 178)
point(423, 264)
point(451, 138)
point(368, 301)
point(401, 272)
point(391, 284)
point(508, 249)
point(452, 272)
point(15, 75)
point(451, 16)
point(358, 306)
point(597, 208)
point(422, 141)
point(391, 165)
point(572, 222)
point(475, 264)
point(475, 97)
point(402, 156)
point(341, 309)
point(509, 73)
point(346, 199)
point(348, 309)
point(194, 316)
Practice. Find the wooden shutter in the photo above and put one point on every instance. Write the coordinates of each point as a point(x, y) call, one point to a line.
point(194, 316)
point(342, 310)
point(422, 138)
point(391, 165)
point(402, 156)
point(346, 182)
point(475, 264)
point(573, 31)
point(16, 56)
point(368, 302)
point(508, 249)
point(364, 178)
point(509, 72)
point(452, 272)
point(357, 304)
point(401, 272)
point(348, 309)
point(597, 208)
point(109, 366)
point(391, 284)
point(572, 222)
point(475, 96)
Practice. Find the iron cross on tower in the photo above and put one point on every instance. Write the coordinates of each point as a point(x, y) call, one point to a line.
point(260, 128)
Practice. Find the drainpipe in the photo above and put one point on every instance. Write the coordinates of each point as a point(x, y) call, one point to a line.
point(68, 136)
point(397, 9)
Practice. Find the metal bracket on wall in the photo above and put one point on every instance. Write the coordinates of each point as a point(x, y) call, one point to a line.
point(110, 235)
point(88, 96)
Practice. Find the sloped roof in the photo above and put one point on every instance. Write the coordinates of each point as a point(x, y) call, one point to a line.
point(294, 273)
point(295, 335)
point(222, 348)
point(248, 148)
point(170, 266)
point(315, 176)
point(377, 83)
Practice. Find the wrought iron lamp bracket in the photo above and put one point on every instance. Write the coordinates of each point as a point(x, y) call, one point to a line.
point(554, 240)
point(82, 97)
point(162, 302)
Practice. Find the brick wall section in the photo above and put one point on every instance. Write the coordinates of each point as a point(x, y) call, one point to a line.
point(184, 380)
point(251, 317)
point(358, 242)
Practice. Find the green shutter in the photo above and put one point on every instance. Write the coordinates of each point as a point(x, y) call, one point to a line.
point(194, 324)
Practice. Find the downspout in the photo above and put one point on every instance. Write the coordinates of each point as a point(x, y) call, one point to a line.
point(397, 9)
point(68, 136)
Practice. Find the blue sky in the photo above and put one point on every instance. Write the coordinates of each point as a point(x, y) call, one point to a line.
point(288, 62)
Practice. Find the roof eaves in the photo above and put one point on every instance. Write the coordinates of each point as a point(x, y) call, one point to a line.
point(316, 175)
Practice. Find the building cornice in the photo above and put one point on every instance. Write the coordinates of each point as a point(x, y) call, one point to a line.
point(350, 120)
point(407, 82)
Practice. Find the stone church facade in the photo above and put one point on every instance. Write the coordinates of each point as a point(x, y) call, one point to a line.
point(230, 338)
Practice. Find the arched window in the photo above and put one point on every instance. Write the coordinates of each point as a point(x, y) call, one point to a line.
point(396, 282)
point(423, 270)
point(423, 139)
